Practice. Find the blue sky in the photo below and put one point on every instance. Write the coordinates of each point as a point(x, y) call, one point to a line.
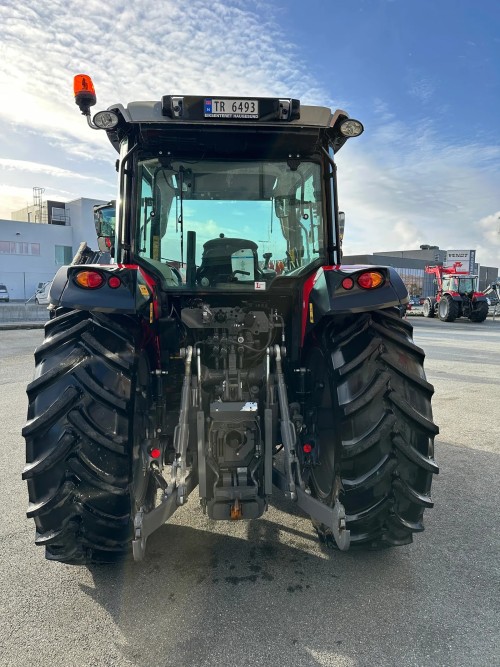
point(423, 76)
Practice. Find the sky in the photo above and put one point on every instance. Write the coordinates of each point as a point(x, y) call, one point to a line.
point(423, 76)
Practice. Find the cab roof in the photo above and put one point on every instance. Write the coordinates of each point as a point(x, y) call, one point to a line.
point(200, 112)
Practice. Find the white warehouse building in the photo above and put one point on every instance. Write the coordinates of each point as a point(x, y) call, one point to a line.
point(37, 241)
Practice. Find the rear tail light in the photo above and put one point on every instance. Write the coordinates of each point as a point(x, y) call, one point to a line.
point(348, 283)
point(370, 279)
point(114, 282)
point(89, 279)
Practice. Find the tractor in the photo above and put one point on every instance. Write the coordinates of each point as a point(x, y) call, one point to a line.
point(456, 295)
point(224, 351)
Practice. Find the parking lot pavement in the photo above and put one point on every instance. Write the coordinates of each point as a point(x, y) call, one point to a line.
point(266, 592)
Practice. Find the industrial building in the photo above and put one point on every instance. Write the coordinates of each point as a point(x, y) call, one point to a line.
point(39, 239)
point(410, 264)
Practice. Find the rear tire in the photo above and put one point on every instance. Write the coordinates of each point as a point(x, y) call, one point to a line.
point(88, 410)
point(372, 410)
point(480, 313)
point(447, 309)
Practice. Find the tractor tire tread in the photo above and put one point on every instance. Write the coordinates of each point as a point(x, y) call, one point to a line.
point(384, 419)
point(78, 461)
point(480, 313)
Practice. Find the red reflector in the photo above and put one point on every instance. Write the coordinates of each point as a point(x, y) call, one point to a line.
point(89, 279)
point(114, 282)
point(348, 283)
point(370, 279)
point(155, 453)
point(307, 448)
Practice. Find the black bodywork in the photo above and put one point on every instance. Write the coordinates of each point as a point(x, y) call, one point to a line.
point(309, 298)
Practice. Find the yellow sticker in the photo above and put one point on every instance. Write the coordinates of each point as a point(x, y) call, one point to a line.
point(151, 313)
point(311, 314)
point(144, 291)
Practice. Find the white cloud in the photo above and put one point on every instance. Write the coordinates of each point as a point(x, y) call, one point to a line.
point(491, 226)
point(400, 184)
point(133, 52)
point(49, 170)
point(488, 251)
point(138, 51)
point(18, 177)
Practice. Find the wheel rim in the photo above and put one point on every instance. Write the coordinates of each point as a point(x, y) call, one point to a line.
point(443, 307)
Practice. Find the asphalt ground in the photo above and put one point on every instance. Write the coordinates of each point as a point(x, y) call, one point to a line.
point(266, 592)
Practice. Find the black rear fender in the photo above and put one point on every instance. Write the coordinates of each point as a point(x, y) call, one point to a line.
point(454, 296)
point(135, 293)
point(324, 293)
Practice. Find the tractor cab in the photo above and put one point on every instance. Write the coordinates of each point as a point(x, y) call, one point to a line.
point(459, 284)
point(256, 172)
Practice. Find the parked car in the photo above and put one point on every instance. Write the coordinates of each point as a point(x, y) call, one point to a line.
point(42, 293)
point(4, 293)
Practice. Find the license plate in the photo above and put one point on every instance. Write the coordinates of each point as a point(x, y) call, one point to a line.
point(229, 108)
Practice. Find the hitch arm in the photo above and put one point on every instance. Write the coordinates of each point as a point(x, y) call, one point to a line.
point(333, 517)
point(288, 435)
point(291, 482)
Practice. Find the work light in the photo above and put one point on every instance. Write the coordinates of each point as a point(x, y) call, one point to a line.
point(351, 128)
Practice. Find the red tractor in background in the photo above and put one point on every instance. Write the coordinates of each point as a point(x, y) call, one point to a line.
point(456, 295)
